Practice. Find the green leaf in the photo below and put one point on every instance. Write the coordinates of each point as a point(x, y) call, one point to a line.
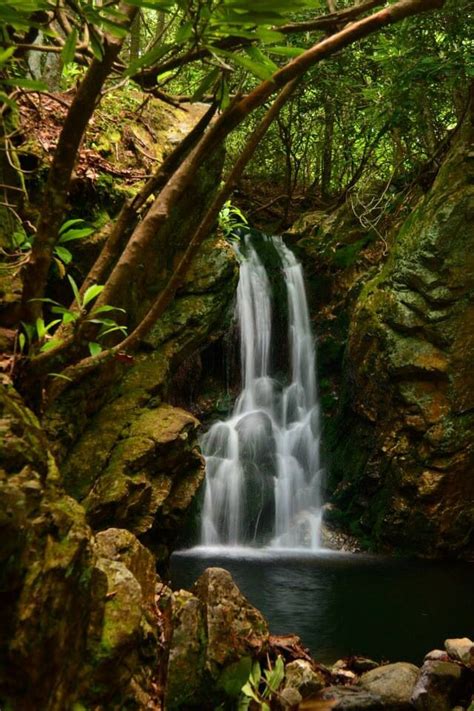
point(106, 309)
point(49, 345)
point(94, 348)
point(69, 316)
point(256, 674)
point(22, 342)
point(248, 691)
point(64, 254)
point(70, 223)
point(75, 290)
point(96, 44)
point(24, 83)
point(69, 49)
point(206, 84)
point(184, 32)
point(123, 329)
point(92, 293)
point(259, 69)
point(234, 676)
point(40, 328)
point(149, 58)
point(71, 235)
point(6, 54)
point(286, 51)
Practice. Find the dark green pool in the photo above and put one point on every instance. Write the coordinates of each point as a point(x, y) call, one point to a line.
point(384, 608)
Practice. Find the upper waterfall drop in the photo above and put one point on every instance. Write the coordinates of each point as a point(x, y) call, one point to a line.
point(263, 483)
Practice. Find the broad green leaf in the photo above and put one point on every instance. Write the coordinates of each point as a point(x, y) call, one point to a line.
point(206, 84)
point(248, 691)
point(256, 674)
point(22, 342)
point(91, 293)
point(184, 32)
point(71, 235)
point(234, 676)
point(286, 51)
point(49, 345)
point(40, 328)
point(259, 69)
point(105, 309)
point(69, 317)
point(6, 54)
point(69, 49)
point(64, 254)
point(94, 348)
point(24, 83)
point(70, 223)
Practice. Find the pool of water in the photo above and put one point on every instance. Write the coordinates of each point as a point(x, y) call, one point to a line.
point(342, 604)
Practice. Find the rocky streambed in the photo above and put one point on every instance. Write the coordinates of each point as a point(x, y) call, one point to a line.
point(218, 637)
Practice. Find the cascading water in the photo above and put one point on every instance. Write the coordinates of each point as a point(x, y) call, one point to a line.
point(263, 466)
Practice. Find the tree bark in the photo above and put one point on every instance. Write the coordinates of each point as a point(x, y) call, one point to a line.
point(57, 186)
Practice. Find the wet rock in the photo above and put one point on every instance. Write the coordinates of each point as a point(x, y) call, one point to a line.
point(152, 475)
point(229, 615)
point(436, 655)
point(403, 471)
point(118, 544)
point(187, 657)
point(204, 622)
point(335, 539)
point(438, 686)
point(461, 649)
point(301, 676)
point(78, 622)
point(350, 698)
point(361, 664)
point(393, 683)
point(290, 699)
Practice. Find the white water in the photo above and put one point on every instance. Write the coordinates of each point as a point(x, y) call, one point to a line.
point(263, 465)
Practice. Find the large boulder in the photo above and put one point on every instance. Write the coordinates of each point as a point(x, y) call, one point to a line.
point(439, 686)
point(393, 683)
point(404, 456)
point(78, 618)
point(216, 632)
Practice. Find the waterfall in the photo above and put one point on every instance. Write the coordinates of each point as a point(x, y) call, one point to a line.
point(263, 466)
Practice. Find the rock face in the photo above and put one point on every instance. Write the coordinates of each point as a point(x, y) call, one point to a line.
point(215, 627)
point(405, 454)
point(129, 456)
point(79, 626)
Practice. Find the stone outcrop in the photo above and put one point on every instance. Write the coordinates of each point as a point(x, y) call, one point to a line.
point(214, 629)
point(404, 455)
point(79, 625)
point(132, 458)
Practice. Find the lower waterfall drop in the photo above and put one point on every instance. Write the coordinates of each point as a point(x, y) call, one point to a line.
point(263, 466)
